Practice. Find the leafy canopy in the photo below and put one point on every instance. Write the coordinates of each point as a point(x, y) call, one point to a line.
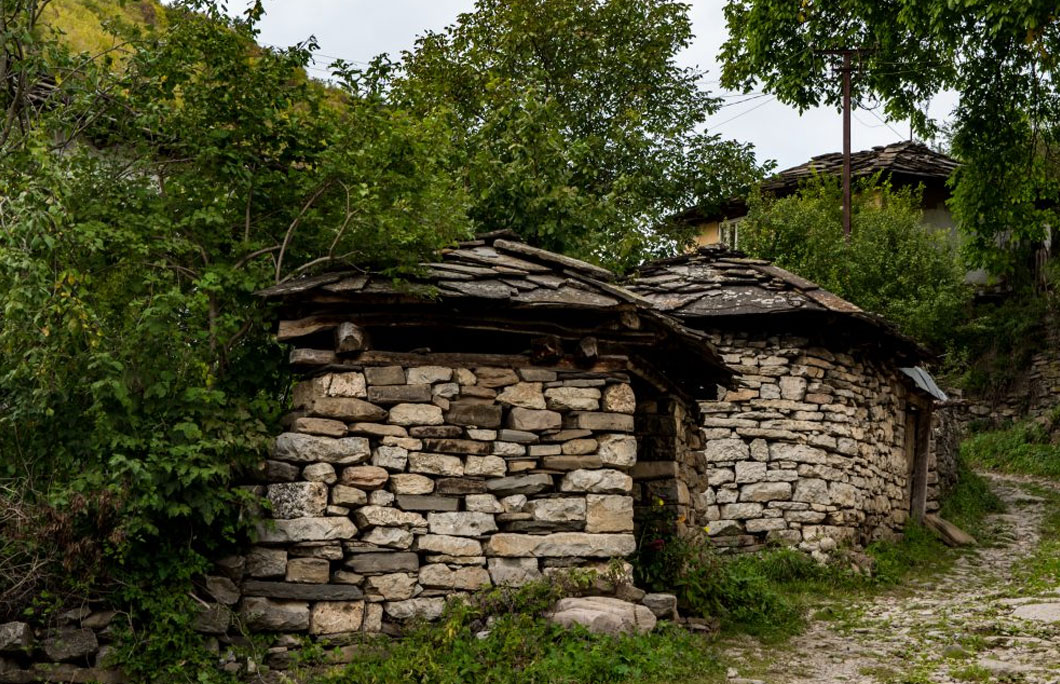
point(893, 265)
point(1000, 57)
point(141, 207)
point(574, 124)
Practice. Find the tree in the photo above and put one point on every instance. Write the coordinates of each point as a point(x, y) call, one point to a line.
point(574, 124)
point(893, 265)
point(145, 194)
point(999, 56)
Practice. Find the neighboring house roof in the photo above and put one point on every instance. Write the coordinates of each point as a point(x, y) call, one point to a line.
point(498, 284)
point(716, 286)
point(904, 162)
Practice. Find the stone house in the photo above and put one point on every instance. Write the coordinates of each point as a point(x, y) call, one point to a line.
point(478, 425)
point(903, 163)
point(826, 438)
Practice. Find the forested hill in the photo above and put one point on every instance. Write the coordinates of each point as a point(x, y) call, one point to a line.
point(82, 22)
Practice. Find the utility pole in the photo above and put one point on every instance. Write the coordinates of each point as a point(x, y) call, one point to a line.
point(846, 71)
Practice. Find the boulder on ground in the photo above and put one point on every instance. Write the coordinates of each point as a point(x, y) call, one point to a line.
point(603, 615)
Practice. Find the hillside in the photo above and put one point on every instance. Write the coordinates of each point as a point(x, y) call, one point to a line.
point(83, 23)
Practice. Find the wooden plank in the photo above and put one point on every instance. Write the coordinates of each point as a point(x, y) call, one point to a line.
point(602, 364)
point(291, 330)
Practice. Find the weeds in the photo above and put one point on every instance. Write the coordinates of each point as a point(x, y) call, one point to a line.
point(1025, 448)
point(501, 636)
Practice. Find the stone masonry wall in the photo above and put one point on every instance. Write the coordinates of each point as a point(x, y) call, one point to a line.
point(807, 451)
point(397, 487)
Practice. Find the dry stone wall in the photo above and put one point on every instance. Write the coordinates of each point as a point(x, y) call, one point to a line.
point(807, 451)
point(399, 486)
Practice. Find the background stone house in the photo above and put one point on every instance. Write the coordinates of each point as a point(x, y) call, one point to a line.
point(825, 439)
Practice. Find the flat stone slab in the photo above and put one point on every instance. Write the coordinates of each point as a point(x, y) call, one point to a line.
point(1038, 612)
point(302, 592)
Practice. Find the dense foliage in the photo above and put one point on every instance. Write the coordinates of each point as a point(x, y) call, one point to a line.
point(891, 265)
point(574, 123)
point(142, 204)
point(999, 56)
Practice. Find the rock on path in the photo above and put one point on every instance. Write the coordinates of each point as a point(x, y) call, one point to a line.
point(957, 627)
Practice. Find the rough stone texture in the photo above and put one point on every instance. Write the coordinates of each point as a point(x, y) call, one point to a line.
point(335, 617)
point(618, 451)
point(448, 545)
point(603, 615)
point(513, 572)
point(561, 544)
point(808, 450)
point(467, 524)
point(302, 448)
point(306, 529)
point(67, 643)
point(365, 477)
point(384, 516)
point(466, 579)
point(396, 586)
point(308, 570)
point(662, 606)
point(411, 484)
point(400, 485)
point(267, 615)
point(427, 608)
point(597, 482)
point(534, 420)
point(608, 513)
point(298, 499)
point(416, 414)
point(15, 637)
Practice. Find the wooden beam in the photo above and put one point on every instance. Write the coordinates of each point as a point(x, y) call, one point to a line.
point(350, 338)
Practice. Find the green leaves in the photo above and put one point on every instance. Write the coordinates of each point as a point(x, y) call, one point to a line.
point(894, 265)
point(574, 126)
point(136, 221)
point(999, 56)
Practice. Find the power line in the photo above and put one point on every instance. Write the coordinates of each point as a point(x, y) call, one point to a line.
point(743, 113)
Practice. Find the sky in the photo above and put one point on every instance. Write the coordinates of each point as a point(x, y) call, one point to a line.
point(357, 30)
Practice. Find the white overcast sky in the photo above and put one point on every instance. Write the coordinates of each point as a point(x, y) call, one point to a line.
point(357, 30)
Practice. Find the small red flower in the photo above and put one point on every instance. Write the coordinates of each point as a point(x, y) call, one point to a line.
point(656, 544)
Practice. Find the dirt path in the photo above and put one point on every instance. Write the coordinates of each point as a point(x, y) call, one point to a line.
point(973, 623)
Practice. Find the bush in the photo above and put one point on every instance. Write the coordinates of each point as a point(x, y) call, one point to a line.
point(892, 265)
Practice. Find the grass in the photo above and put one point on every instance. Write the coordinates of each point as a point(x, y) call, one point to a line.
point(970, 501)
point(1025, 448)
point(500, 636)
point(1041, 572)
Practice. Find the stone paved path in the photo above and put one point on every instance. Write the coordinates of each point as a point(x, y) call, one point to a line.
point(974, 623)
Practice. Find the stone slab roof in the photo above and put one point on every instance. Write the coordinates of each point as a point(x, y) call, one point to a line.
point(908, 160)
point(496, 280)
point(716, 283)
point(905, 161)
point(495, 266)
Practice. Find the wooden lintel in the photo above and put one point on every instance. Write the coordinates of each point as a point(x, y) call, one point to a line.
point(603, 364)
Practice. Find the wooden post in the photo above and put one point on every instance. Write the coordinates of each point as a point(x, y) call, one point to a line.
point(846, 145)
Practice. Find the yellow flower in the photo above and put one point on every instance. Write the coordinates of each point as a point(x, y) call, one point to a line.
point(659, 502)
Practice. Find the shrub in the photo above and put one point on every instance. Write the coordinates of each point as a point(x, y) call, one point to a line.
point(893, 264)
